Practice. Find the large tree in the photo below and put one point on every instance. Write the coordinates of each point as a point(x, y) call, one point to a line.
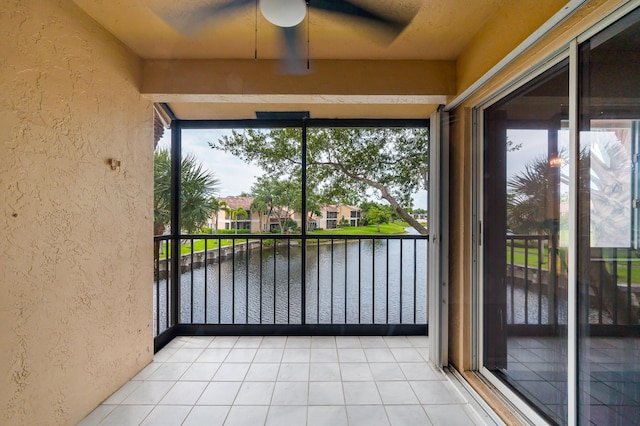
point(278, 197)
point(376, 216)
point(343, 164)
point(198, 193)
point(368, 205)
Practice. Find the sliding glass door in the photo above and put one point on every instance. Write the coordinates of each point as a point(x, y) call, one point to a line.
point(525, 241)
point(608, 226)
point(558, 304)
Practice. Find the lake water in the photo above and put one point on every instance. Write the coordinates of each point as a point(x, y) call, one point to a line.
point(347, 283)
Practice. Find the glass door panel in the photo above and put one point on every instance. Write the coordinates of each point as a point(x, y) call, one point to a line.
point(608, 226)
point(525, 241)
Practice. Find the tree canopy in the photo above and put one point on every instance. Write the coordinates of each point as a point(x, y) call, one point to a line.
point(528, 195)
point(343, 165)
point(278, 197)
point(386, 208)
point(376, 216)
point(161, 191)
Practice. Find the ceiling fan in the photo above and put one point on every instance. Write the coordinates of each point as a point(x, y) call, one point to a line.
point(288, 14)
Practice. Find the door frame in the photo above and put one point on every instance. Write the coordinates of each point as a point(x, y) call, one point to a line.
point(438, 263)
point(512, 398)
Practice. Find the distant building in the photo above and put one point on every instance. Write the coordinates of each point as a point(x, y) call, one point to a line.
point(420, 217)
point(350, 213)
point(331, 215)
point(253, 220)
point(256, 221)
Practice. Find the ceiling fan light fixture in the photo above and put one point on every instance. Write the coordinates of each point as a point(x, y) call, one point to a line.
point(284, 13)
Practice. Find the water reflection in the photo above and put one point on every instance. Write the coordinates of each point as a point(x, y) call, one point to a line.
point(381, 281)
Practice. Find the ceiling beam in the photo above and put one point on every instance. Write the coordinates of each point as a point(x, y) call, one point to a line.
point(328, 81)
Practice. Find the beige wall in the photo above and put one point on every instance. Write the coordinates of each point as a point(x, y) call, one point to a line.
point(257, 221)
point(76, 246)
point(509, 27)
point(461, 187)
point(344, 211)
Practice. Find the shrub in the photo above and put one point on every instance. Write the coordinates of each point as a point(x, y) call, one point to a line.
point(232, 231)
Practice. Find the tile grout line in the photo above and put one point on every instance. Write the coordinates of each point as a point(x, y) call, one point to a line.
point(335, 345)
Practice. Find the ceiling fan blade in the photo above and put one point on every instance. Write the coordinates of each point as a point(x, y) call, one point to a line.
point(393, 25)
point(188, 21)
point(294, 63)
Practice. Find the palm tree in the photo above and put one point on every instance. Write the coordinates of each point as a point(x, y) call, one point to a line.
point(226, 209)
point(161, 191)
point(234, 216)
point(198, 193)
point(261, 206)
point(528, 196)
point(216, 206)
point(605, 192)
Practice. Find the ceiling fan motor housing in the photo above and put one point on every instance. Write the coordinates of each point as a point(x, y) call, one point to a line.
point(284, 13)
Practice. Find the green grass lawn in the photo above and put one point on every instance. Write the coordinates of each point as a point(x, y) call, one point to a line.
point(622, 267)
point(623, 273)
point(532, 255)
point(225, 239)
point(198, 245)
point(385, 229)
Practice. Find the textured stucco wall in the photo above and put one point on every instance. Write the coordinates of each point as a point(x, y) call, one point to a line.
point(75, 236)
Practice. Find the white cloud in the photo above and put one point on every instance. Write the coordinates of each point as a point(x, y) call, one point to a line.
point(235, 176)
point(421, 199)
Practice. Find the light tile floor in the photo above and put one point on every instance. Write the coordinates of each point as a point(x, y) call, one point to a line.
point(301, 380)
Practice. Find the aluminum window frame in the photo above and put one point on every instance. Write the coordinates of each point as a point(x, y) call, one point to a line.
point(520, 405)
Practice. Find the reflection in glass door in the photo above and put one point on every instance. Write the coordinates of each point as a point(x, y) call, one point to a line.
point(525, 235)
point(608, 226)
point(525, 241)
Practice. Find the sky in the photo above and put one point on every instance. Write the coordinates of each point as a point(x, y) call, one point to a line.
point(534, 145)
point(235, 176)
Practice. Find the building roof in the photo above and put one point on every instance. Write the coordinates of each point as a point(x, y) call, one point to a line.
point(335, 208)
point(234, 202)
